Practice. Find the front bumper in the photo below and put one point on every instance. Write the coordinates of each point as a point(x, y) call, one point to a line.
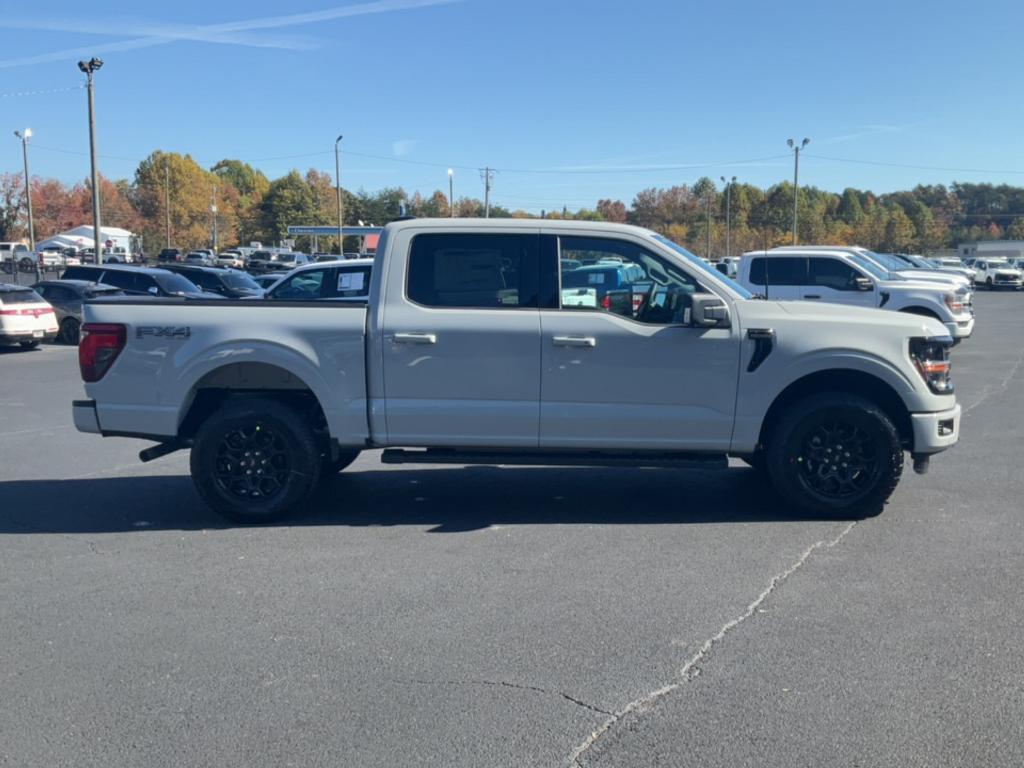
point(84, 414)
point(960, 328)
point(935, 432)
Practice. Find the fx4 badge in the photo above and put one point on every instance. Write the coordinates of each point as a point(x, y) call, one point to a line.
point(163, 331)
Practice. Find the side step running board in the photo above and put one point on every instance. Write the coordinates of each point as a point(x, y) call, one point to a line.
point(556, 458)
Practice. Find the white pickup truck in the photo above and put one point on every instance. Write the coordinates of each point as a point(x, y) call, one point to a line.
point(465, 352)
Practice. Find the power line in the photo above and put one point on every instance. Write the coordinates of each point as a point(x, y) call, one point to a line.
point(914, 167)
point(41, 92)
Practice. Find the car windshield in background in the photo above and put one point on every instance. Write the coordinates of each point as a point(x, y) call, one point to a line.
point(173, 283)
point(704, 266)
point(918, 262)
point(26, 296)
point(872, 267)
point(104, 291)
point(239, 280)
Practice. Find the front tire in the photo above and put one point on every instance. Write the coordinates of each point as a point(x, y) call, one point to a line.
point(255, 460)
point(836, 456)
point(988, 284)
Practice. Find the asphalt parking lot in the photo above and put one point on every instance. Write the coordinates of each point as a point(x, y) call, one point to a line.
point(496, 616)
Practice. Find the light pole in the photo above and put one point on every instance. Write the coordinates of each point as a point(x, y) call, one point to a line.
point(728, 212)
point(796, 176)
point(89, 67)
point(451, 193)
point(337, 182)
point(707, 204)
point(213, 215)
point(167, 199)
point(25, 136)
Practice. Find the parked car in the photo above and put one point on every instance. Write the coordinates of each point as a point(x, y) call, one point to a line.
point(87, 255)
point(275, 261)
point(464, 353)
point(233, 259)
point(139, 281)
point(896, 268)
point(16, 253)
point(50, 256)
point(952, 265)
point(846, 277)
point(268, 279)
point(996, 273)
point(25, 317)
point(612, 285)
point(200, 259)
point(331, 281)
point(169, 254)
point(66, 297)
point(229, 283)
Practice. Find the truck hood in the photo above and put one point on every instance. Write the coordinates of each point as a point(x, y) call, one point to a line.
point(753, 314)
point(927, 276)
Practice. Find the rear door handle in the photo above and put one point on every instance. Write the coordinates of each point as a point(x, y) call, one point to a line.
point(574, 341)
point(415, 338)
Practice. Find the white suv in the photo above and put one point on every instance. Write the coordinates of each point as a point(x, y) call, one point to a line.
point(847, 277)
point(996, 273)
point(25, 317)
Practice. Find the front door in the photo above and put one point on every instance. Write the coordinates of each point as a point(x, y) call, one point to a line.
point(834, 281)
point(461, 346)
point(630, 374)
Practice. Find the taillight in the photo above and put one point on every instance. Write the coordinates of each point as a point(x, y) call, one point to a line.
point(931, 358)
point(606, 302)
point(98, 348)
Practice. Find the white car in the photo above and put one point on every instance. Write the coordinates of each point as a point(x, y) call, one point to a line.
point(232, 259)
point(25, 317)
point(996, 273)
point(843, 276)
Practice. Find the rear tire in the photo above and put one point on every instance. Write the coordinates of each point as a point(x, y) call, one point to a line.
point(70, 331)
point(836, 456)
point(255, 460)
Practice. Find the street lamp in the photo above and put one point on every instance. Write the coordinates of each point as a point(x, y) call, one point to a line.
point(728, 220)
point(25, 136)
point(451, 195)
point(337, 182)
point(89, 67)
point(796, 176)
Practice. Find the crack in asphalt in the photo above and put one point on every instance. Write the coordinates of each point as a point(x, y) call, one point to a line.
point(690, 669)
point(999, 388)
point(516, 686)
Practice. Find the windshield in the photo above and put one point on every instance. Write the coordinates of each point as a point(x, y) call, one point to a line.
point(704, 267)
point(239, 280)
point(173, 283)
point(870, 266)
point(918, 262)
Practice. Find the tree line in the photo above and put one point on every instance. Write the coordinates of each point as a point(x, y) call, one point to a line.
point(172, 198)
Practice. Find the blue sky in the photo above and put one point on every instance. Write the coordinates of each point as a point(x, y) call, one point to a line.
point(571, 100)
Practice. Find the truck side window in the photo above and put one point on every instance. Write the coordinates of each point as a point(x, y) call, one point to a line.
point(832, 273)
point(474, 271)
point(782, 270)
point(623, 278)
point(303, 286)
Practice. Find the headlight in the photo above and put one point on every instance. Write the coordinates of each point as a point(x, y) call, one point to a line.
point(931, 358)
point(955, 302)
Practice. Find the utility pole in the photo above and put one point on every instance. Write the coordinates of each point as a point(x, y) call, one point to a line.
point(707, 204)
point(25, 136)
point(167, 199)
point(487, 174)
point(728, 211)
point(451, 193)
point(213, 214)
point(89, 67)
point(796, 177)
point(337, 184)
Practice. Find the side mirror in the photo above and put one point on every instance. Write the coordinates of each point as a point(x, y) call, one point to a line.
point(864, 284)
point(708, 311)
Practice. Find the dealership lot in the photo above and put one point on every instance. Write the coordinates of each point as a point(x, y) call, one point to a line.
point(500, 616)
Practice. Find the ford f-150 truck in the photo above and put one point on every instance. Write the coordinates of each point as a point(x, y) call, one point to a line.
point(469, 350)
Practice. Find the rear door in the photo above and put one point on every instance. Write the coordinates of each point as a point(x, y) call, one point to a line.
point(633, 375)
point(779, 278)
point(834, 281)
point(461, 341)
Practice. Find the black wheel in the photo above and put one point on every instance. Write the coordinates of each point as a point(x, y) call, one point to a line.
point(835, 455)
point(70, 330)
point(988, 283)
point(28, 344)
point(331, 467)
point(254, 460)
point(26, 265)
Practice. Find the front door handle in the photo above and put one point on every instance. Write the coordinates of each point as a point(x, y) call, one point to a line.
point(574, 341)
point(812, 296)
point(415, 338)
